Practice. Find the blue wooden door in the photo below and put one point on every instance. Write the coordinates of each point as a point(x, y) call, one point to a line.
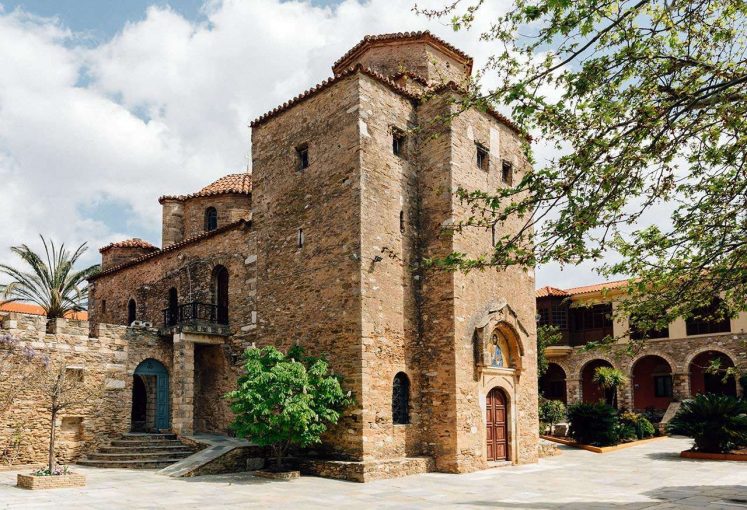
point(155, 368)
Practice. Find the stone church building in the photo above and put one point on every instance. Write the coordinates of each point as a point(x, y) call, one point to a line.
point(352, 185)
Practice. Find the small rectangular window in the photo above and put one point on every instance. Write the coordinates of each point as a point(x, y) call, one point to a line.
point(663, 385)
point(482, 157)
point(103, 306)
point(303, 156)
point(398, 143)
point(507, 171)
point(402, 221)
point(300, 238)
point(492, 234)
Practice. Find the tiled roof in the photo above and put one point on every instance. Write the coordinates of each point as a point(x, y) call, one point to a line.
point(328, 83)
point(32, 309)
point(170, 248)
point(370, 40)
point(229, 184)
point(584, 289)
point(551, 291)
point(129, 243)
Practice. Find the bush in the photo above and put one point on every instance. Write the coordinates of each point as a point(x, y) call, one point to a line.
point(626, 432)
point(594, 424)
point(717, 423)
point(641, 426)
point(551, 411)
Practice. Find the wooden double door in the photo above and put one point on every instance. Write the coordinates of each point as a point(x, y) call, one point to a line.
point(497, 425)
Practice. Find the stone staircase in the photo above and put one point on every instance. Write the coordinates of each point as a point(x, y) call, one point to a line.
point(139, 451)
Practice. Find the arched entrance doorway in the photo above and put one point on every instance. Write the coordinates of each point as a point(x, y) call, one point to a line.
point(590, 391)
point(652, 383)
point(552, 383)
point(703, 381)
point(496, 425)
point(150, 397)
point(220, 293)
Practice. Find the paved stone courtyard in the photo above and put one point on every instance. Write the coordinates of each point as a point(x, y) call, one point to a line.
point(646, 476)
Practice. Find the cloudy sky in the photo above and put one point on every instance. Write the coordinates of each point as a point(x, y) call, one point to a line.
point(106, 104)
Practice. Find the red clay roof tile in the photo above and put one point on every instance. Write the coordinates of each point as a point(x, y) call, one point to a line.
point(129, 243)
point(229, 184)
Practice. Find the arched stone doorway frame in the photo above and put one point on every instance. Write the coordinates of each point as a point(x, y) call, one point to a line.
point(500, 318)
point(153, 367)
point(630, 372)
point(711, 347)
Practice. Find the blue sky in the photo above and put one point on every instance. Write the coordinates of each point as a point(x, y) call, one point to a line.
point(106, 105)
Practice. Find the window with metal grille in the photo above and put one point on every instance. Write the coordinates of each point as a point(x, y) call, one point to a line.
point(401, 399)
point(559, 316)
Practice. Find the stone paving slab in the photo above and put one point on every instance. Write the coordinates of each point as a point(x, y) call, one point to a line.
point(649, 476)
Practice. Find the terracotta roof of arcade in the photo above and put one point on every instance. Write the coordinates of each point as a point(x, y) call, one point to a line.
point(584, 289)
point(170, 248)
point(328, 83)
point(371, 40)
point(229, 184)
point(32, 309)
point(129, 243)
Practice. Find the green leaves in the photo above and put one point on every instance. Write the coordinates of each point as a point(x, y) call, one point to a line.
point(643, 105)
point(285, 400)
point(717, 423)
point(52, 283)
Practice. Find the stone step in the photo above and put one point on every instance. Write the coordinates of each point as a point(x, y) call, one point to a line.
point(146, 449)
point(136, 456)
point(139, 442)
point(148, 435)
point(129, 464)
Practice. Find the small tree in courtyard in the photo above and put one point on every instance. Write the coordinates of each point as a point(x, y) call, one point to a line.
point(286, 400)
point(65, 388)
point(609, 379)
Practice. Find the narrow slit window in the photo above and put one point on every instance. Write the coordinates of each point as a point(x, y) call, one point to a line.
point(402, 221)
point(301, 238)
point(398, 143)
point(492, 235)
point(507, 173)
point(482, 157)
point(302, 153)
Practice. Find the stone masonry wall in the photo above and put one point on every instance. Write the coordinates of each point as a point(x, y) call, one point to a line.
point(230, 208)
point(189, 269)
point(109, 360)
point(310, 295)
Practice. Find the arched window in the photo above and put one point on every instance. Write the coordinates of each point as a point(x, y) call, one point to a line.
point(131, 311)
point(401, 399)
point(220, 293)
point(172, 312)
point(211, 219)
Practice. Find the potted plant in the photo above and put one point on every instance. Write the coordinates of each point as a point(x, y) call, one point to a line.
point(285, 400)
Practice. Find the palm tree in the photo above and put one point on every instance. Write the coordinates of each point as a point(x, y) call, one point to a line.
point(53, 284)
point(609, 379)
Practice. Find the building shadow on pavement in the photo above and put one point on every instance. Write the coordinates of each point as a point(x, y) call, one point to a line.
point(732, 497)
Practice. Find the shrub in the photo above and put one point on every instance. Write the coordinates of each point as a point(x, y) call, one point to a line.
point(609, 379)
point(594, 424)
point(285, 400)
point(642, 427)
point(551, 411)
point(626, 432)
point(717, 423)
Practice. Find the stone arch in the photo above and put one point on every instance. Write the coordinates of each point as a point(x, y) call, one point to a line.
point(651, 377)
point(553, 383)
point(700, 381)
point(710, 347)
point(663, 355)
point(590, 392)
point(401, 398)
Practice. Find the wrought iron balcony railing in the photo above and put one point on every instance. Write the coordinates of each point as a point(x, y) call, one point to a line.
point(195, 313)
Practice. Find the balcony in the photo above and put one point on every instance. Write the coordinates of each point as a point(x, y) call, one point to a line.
point(196, 317)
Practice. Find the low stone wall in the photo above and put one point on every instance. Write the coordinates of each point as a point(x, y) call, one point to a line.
point(106, 361)
point(32, 482)
point(368, 470)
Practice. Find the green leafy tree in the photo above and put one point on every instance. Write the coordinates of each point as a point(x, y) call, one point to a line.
point(642, 105)
point(609, 379)
point(50, 282)
point(547, 335)
point(286, 400)
point(717, 423)
point(551, 412)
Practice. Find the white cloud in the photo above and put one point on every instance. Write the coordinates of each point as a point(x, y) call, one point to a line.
point(162, 107)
